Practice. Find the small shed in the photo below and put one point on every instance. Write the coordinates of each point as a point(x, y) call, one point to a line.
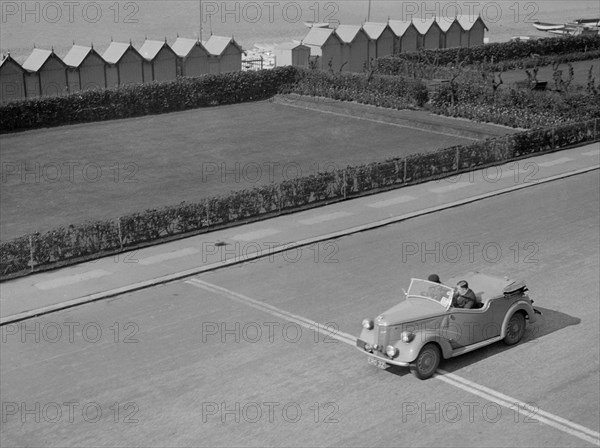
point(47, 74)
point(160, 61)
point(381, 39)
point(193, 57)
point(12, 80)
point(86, 69)
point(356, 47)
point(292, 53)
point(325, 48)
point(451, 32)
point(125, 65)
point(473, 30)
point(430, 33)
point(225, 54)
point(407, 36)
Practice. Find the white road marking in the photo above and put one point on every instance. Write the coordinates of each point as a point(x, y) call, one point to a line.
point(525, 409)
point(324, 218)
point(71, 279)
point(168, 256)
point(593, 152)
point(274, 311)
point(390, 202)
point(253, 236)
point(556, 162)
point(508, 402)
point(450, 187)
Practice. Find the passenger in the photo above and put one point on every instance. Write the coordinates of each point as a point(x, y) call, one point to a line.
point(434, 278)
point(464, 297)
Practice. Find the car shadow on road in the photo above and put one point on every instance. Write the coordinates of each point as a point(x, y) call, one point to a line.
point(549, 322)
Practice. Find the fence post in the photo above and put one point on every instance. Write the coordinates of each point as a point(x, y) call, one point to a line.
point(457, 159)
point(31, 263)
point(120, 232)
point(207, 213)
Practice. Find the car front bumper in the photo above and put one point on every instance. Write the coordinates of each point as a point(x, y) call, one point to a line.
point(360, 344)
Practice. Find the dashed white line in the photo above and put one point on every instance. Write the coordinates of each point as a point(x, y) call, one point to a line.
point(168, 256)
point(324, 218)
point(501, 399)
point(71, 279)
point(391, 202)
point(450, 187)
point(253, 236)
point(556, 162)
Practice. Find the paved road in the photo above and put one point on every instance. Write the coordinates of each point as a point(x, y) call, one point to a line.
point(179, 381)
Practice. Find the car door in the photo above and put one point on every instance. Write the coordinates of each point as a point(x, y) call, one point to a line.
point(469, 326)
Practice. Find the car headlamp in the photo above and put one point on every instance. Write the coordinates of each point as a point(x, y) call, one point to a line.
point(407, 336)
point(367, 324)
point(391, 351)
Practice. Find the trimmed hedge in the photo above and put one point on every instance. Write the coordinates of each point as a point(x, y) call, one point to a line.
point(522, 108)
point(494, 52)
point(144, 99)
point(68, 245)
point(379, 90)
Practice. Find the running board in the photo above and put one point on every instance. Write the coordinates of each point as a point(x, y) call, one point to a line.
point(470, 348)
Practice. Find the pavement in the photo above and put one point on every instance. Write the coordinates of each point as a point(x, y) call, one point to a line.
point(309, 230)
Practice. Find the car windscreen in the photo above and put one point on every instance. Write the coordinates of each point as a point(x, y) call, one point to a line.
point(432, 291)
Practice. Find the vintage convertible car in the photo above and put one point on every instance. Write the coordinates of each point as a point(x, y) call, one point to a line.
point(426, 327)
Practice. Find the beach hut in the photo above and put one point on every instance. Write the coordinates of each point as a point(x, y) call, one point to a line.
point(193, 57)
point(225, 54)
point(325, 48)
point(381, 39)
point(473, 30)
point(430, 33)
point(86, 69)
point(46, 74)
point(451, 32)
point(160, 61)
point(12, 80)
point(407, 36)
point(292, 53)
point(356, 47)
point(125, 65)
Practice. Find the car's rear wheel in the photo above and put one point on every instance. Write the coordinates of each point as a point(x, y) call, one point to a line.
point(515, 329)
point(427, 362)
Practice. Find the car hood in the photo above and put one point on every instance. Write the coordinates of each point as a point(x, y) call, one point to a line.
point(410, 310)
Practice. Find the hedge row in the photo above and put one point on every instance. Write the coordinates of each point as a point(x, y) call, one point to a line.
point(522, 108)
point(144, 99)
point(379, 90)
point(71, 244)
point(495, 52)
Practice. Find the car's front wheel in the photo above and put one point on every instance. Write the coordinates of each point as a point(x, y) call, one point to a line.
point(515, 329)
point(427, 362)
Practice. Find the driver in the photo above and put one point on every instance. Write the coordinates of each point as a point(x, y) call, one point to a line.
point(464, 297)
